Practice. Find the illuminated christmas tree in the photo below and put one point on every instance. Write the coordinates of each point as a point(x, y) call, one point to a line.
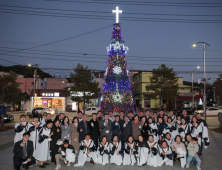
point(117, 93)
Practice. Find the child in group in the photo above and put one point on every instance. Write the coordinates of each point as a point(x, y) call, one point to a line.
point(193, 149)
point(20, 128)
point(166, 155)
point(103, 151)
point(130, 150)
point(116, 151)
point(66, 153)
point(153, 150)
point(142, 151)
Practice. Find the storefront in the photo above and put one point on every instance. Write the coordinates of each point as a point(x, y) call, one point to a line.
point(55, 99)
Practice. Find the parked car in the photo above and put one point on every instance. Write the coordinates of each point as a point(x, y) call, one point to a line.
point(213, 111)
point(90, 110)
point(209, 111)
point(8, 117)
point(39, 110)
point(189, 110)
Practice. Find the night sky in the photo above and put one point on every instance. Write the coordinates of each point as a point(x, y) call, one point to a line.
point(155, 33)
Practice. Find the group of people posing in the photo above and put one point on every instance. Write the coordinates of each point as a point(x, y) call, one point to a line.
point(126, 139)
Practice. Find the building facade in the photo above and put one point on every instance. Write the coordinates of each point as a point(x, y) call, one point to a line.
point(184, 98)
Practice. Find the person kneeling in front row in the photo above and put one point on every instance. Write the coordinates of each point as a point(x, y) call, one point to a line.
point(66, 153)
point(23, 151)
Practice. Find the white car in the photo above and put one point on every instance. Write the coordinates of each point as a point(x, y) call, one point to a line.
point(213, 111)
point(39, 110)
point(90, 110)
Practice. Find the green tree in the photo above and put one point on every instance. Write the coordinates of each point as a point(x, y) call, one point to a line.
point(83, 80)
point(10, 92)
point(163, 85)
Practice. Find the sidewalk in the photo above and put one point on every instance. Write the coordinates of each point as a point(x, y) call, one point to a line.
point(211, 159)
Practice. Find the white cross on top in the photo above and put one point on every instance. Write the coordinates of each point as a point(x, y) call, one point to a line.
point(117, 11)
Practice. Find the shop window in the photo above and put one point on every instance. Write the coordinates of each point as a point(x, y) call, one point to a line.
point(58, 103)
point(147, 88)
point(63, 81)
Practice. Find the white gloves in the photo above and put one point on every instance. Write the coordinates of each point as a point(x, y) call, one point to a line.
point(92, 124)
point(104, 123)
point(63, 153)
point(206, 147)
point(107, 131)
point(116, 123)
point(124, 125)
point(140, 127)
point(49, 139)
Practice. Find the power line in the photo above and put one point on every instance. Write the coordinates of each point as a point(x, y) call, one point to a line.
point(104, 12)
point(93, 61)
point(55, 41)
point(64, 54)
point(37, 13)
point(164, 4)
point(71, 46)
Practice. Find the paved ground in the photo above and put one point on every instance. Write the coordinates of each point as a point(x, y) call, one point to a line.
point(211, 158)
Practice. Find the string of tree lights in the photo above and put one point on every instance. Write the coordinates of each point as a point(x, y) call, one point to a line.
point(117, 93)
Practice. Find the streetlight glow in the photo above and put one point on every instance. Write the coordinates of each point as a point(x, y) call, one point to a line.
point(194, 45)
point(198, 67)
point(29, 65)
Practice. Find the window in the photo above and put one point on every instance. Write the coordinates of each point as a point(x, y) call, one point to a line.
point(58, 103)
point(41, 84)
point(147, 88)
point(63, 81)
point(88, 109)
point(28, 91)
point(33, 83)
point(93, 108)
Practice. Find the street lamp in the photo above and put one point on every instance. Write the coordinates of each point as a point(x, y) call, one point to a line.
point(204, 47)
point(192, 86)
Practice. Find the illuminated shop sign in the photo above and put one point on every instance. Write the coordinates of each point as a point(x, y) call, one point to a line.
point(56, 94)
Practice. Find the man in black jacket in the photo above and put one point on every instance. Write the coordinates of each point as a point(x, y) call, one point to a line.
point(83, 128)
point(23, 151)
point(94, 129)
point(116, 127)
point(126, 128)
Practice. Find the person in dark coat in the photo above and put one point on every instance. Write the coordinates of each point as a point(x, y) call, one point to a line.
point(126, 129)
point(116, 130)
point(161, 126)
point(161, 114)
point(94, 129)
point(185, 116)
point(106, 127)
point(23, 151)
point(83, 128)
point(56, 136)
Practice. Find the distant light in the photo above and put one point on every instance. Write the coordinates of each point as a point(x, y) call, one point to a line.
point(198, 67)
point(29, 65)
point(194, 45)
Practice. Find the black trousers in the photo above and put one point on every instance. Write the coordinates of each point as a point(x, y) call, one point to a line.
point(18, 162)
point(174, 156)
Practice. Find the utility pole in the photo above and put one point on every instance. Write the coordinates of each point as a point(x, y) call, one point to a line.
point(35, 75)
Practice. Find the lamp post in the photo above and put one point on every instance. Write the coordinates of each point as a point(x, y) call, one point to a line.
point(35, 74)
point(192, 86)
point(204, 47)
